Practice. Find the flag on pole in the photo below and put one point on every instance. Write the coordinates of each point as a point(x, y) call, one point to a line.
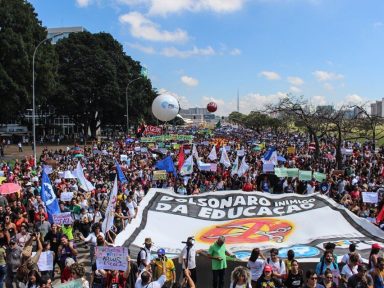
point(120, 173)
point(180, 158)
point(224, 158)
point(194, 152)
point(270, 156)
point(243, 168)
point(167, 165)
point(49, 197)
point(84, 183)
point(187, 167)
point(235, 166)
point(212, 155)
point(110, 211)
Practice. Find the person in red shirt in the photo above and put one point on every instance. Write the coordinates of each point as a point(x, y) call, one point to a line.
point(41, 211)
point(248, 187)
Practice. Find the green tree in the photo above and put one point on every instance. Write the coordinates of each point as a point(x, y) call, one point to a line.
point(20, 33)
point(94, 72)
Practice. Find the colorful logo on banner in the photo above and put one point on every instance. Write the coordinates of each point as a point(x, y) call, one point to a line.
point(251, 230)
point(301, 251)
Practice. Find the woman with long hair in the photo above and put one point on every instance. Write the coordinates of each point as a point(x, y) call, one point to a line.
point(295, 277)
point(327, 280)
point(240, 278)
point(372, 262)
point(256, 265)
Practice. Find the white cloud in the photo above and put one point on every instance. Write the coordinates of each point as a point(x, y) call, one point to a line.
point(327, 76)
point(174, 52)
point(144, 28)
point(270, 75)
point(328, 86)
point(189, 81)
point(235, 52)
point(353, 99)
point(296, 81)
point(164, 7)
point(295, 89)
point(378, 24)
point(142, 48)
point(83, 3)
point(318, 100)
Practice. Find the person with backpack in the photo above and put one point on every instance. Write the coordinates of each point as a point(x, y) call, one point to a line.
point(352, 249)
point(278, 266)
point(327, 262)
point(144, 256)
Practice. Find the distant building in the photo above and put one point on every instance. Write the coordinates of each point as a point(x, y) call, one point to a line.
point(198, 115)
point(326, 109)
point(377, 108)
point(62, 32)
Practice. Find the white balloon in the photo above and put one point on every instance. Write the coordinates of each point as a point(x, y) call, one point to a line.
point(165, 107)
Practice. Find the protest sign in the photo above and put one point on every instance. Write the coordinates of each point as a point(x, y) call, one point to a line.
point(123, 158)
point(111, 258)
point(153, 130)
point(213, 167)
point(45, 262)
point(291, 150)
point(293, 172)
point(159, 175)
point(281, 172)
point(370, 197)
point(319, 176)
point(305, 175)
point(143, 150)
point(62, 218)
point(66, 196)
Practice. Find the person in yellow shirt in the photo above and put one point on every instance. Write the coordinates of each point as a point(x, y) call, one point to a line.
point(170, 268)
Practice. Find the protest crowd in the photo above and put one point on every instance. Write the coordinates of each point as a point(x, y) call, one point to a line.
point(48, 211)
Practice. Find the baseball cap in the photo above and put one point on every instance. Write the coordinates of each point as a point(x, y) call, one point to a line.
point(267, 268)
point(376, 246)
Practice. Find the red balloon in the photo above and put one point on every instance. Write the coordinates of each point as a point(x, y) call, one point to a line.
point(211, 107)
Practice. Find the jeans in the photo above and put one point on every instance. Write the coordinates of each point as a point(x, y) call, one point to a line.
point(218, 278)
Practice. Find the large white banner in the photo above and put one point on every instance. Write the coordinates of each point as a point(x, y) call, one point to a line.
point(247, 220)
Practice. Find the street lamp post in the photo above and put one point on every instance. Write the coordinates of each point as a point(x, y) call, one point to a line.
point(126, 100)
point(33, 96)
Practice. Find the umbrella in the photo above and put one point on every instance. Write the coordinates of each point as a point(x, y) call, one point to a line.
point(79, 155)
point(281, 159)
point(75, 149)
point(9, 188)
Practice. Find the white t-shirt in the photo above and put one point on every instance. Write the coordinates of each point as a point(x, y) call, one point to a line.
point(347, 272)
point(276, 267)
point(155, 284)
point(92, 239)
point(191, 257)
point(146, 256)
point(131, 208)
point(256, 268)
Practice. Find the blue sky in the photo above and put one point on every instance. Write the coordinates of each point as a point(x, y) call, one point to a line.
point(329, 51)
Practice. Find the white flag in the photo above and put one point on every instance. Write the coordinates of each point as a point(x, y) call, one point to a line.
point(194, 152)
point(187, 167)
point(213, 156)
point(84, 183)
point(224, 158)
point(243, 168)
point(110, 211)
point(235, 166)
point(272, 159)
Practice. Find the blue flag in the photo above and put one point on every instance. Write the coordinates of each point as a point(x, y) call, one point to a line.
point(49, 197)
point(167, 165)
point(269, 153)
point(120, 173)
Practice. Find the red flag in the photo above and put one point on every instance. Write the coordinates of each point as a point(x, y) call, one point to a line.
point(181, 158)
point(380, 216)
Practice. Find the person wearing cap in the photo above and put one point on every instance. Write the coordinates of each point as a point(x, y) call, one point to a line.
point(372, 261)
point(188, 255)
point(362, 279)
point(218, 252)
point(145, 254)
point(267, 279)
point(170, 274)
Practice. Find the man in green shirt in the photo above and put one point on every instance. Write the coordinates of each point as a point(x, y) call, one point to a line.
point(218, 253)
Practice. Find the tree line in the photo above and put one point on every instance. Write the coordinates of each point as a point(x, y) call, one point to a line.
point(83, 76)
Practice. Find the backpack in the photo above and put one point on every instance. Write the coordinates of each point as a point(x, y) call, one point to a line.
point(138, 256)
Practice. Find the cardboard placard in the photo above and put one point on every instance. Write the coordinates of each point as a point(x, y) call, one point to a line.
point(160, 175)
point(62, 218)
point(111, 258)
point(370, 197)
point(66, 196)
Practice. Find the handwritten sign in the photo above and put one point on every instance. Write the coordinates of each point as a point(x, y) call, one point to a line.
point(66, 196)
point(159, 175)
point(45, 262)
point(112, 258)
point(370, 197)
point(62, 218)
